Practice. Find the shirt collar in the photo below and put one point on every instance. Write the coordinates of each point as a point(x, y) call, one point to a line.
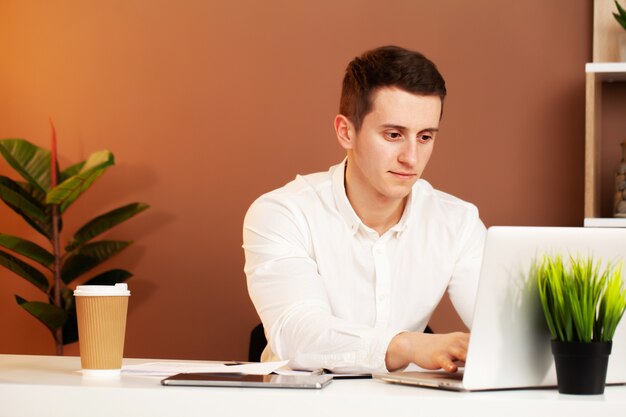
point(346, 210)
point(405, 220)
point(341, 198)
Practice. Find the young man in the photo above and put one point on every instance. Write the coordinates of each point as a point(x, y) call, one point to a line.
point(345, 267)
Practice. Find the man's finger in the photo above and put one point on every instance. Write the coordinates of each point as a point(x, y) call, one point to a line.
point(446, 364)
point(464, 342)
point(458, 352)
point(449, 366)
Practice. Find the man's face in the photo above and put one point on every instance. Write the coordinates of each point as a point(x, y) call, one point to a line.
point(388, 155)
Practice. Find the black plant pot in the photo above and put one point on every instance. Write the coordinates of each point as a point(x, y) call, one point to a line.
point(581, 367)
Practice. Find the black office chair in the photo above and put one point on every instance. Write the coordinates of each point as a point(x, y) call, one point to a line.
point(258, 342)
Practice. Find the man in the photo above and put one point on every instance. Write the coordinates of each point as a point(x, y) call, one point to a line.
point(345, 267)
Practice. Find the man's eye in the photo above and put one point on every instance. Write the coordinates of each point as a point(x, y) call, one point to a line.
point(424, 138)
point(394, 135)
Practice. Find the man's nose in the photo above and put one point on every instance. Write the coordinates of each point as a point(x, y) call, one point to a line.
point(408, 153)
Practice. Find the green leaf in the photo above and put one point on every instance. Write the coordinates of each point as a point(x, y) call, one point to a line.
point(621, 10)
point(112, 277)
point(26, 248)
point(34, 193)
point(69, 190)
point(88, 257)
point(20, 200)
point(613, 302)
point(621, 20)
point(103, 223)
point(24, 270)
point(67, 299)
point(580, 302)
point(537, 273)
point(51, 316)
point(30, 161)
point(70, 328)
point(46, 226)
point(71, 171)
point(34, 209)
point(621, 17)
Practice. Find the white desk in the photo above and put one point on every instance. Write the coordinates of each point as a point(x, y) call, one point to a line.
point(52, 386)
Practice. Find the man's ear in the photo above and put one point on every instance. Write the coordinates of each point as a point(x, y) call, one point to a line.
point(345, 131)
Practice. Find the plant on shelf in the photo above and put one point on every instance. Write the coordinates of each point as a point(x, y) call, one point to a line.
point(582, 305)
point(42, 199)
point(620, 16)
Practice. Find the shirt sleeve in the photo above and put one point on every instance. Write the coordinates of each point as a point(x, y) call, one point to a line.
point(289, 296)
point(463, 286)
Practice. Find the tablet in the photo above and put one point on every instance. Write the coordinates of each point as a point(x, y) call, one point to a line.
point(244, 380)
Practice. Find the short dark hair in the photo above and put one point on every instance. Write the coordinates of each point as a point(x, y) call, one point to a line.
point(387, 66)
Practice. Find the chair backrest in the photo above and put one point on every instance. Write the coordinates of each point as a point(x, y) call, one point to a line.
point(257, 343)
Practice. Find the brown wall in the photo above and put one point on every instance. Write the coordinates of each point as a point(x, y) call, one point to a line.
point(207, 104)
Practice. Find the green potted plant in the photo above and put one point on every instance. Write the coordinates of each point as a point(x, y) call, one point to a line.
point(41, 199)
point(620, 16)
point(582, 302)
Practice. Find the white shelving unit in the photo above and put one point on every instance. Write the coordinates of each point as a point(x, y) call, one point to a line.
point(607, 71)
point(605, 222)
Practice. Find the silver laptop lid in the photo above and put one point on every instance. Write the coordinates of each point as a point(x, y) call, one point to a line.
point(510, 343)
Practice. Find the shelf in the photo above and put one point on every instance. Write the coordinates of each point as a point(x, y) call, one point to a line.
point(607, 71)
point(597, 73)
point(604, 69)
point(605, 222)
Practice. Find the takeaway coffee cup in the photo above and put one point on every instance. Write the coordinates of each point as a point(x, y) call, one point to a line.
point(101, 313)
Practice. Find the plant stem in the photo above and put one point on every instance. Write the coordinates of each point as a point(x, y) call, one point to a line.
point(56, 246)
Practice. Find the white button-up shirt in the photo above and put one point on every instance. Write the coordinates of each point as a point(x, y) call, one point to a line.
point(332, 293)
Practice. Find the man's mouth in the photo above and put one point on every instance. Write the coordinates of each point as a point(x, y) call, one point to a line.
point(403, 174)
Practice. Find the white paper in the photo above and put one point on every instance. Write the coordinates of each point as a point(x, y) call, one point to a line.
point(172, 368)
point(288, 371)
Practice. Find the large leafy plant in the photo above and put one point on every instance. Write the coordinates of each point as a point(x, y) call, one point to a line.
point(41, 199)
point(581, 301)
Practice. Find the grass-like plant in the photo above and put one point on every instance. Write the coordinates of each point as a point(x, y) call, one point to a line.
point(621, 15)
point(580, 302)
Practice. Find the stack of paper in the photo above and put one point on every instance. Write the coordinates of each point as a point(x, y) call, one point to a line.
point(168, 368)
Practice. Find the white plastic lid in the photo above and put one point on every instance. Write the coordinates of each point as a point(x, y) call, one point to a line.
point(102, 290)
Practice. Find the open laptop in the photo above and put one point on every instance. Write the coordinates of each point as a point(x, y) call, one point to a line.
point(509, 344)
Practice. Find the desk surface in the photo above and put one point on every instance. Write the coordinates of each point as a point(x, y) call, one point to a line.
point(53, 386)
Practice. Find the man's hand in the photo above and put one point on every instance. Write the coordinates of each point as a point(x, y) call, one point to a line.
point(429, 351)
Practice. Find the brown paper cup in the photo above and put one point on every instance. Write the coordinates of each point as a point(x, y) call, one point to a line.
point(101, 314)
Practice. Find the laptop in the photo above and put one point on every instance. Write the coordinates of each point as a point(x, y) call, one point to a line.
point(509, 344)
